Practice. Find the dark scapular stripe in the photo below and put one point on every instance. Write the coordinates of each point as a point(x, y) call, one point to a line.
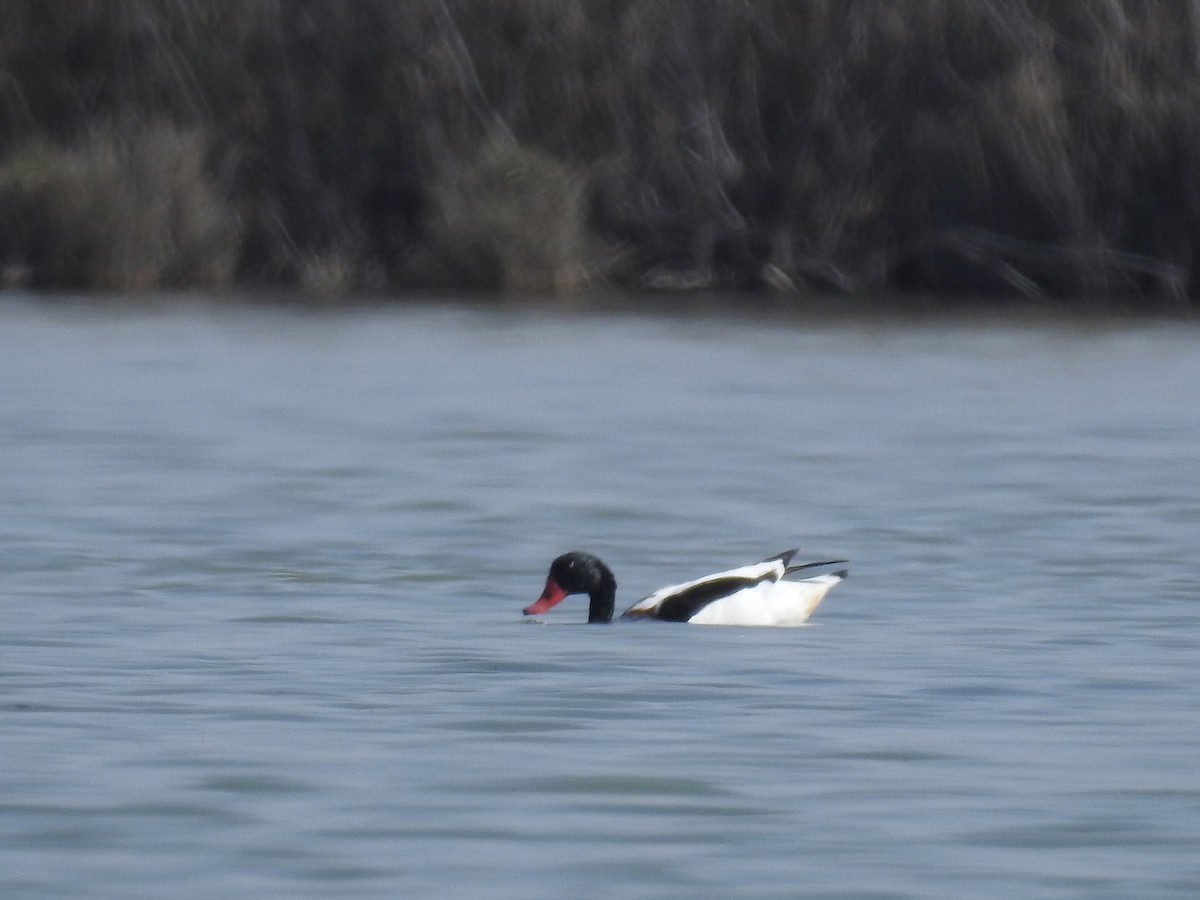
point(683, 606)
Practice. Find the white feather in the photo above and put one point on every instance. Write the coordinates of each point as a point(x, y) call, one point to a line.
point(768, 603)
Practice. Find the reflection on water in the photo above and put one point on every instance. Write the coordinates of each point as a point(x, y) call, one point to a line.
point(264, 573)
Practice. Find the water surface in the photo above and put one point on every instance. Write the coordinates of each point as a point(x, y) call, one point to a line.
point(263, 574)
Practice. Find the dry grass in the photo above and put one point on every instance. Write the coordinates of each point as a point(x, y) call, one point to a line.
point(513, 220)
point(121, 211)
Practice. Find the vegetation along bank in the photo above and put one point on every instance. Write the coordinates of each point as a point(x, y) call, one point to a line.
point(996, 147)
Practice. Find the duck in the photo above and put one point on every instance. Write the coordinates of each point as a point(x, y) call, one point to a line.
point(755, 594)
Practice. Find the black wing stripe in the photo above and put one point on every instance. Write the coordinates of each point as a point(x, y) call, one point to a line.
point(682, 606)
point(812, 565)
point(785, 557)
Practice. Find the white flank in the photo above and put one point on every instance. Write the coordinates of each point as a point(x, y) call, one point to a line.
point(769, 603)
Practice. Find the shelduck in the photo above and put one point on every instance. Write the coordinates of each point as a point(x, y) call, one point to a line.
point(756, 594)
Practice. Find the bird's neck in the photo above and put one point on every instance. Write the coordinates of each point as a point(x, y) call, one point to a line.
point(603, 599)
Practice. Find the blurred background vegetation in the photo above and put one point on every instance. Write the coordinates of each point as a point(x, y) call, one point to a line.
point(1028, 147)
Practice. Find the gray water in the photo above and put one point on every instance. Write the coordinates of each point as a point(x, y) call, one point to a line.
point(262, 575)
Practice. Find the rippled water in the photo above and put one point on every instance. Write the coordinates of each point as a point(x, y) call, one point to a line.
point(263, 573)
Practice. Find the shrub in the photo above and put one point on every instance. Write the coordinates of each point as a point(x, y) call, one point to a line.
point(513, 220)
point(121, 211)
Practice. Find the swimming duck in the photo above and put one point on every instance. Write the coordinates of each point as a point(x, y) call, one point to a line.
point(756, 594)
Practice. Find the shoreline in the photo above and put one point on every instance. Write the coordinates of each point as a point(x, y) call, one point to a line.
point(882, 310)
